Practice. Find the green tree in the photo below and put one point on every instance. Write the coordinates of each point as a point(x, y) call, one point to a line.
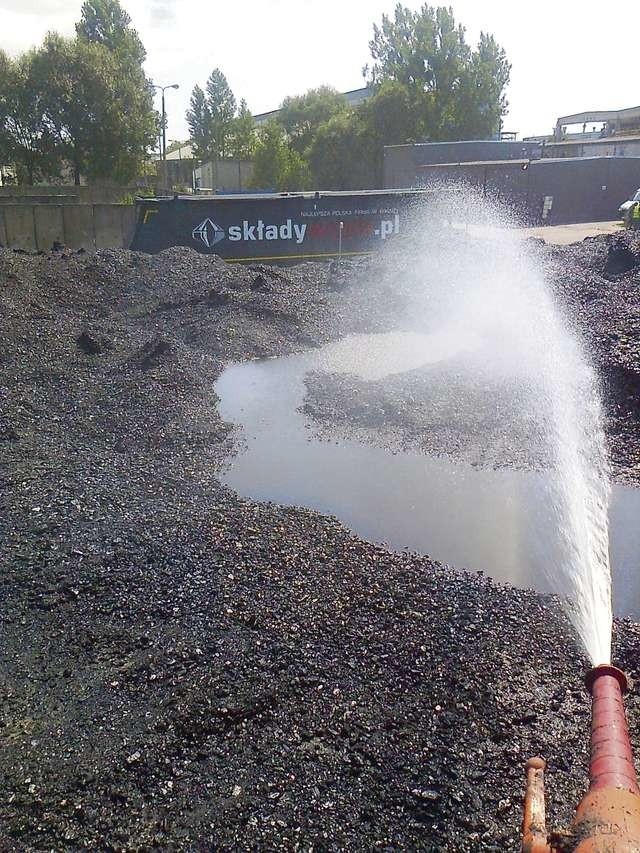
point(275, 165)
point(390, 118)
point(100, 112)
point(456, 92)
point(242, 136)
point(342, 155)
point(26, 140)
point(482, 103)
point(302, 115)
point(222, 108)
point(211, 117)
point(200, 126)
point(105, 22)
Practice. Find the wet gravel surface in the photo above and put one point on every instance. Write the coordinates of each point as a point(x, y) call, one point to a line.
point(447, 409)
point(456, 409)
point(187, 670)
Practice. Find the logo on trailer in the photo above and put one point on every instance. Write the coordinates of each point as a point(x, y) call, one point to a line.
point(208, 232)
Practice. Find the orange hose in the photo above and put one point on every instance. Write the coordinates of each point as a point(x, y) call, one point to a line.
point(534, 828)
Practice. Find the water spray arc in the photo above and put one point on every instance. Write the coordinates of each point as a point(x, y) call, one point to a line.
point(607, 819)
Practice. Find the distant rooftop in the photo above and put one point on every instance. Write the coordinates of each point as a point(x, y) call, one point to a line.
point(612, 123)
point(618, 117)
point(353, 98)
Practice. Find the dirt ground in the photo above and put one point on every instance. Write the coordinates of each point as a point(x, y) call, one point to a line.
point(184, 669)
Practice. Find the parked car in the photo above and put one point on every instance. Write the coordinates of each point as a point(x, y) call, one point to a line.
point(626, 209)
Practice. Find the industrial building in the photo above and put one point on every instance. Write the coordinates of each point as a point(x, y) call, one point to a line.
point(595, 133)
point(539, 189)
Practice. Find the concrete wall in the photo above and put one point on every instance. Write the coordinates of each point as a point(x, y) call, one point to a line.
point(402, 161)
point(65, 194)
point(225, 175)
point(581, 189)
point(34, 227)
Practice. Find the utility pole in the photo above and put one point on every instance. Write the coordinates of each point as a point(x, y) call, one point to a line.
point(164, 128)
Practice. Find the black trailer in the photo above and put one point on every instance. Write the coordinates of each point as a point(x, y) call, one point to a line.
point(284, 227)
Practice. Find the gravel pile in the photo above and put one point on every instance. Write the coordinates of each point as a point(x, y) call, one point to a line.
point(184, 669)
point(455, 409)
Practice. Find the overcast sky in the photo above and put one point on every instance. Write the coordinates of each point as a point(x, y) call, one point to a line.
point(567, 56)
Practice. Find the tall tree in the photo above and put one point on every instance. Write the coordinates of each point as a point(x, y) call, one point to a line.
point(242, 136)
point(100, 112)
point(211, 117)
point(222, 108)
point(105, 22)
point(342, 154)
point(302, 115)
point(275, 165)
point(200, 126)
point(482, 103)
point(426, 51)
point(26, 140)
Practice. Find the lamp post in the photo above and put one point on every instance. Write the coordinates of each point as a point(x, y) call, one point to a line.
point(164, 127)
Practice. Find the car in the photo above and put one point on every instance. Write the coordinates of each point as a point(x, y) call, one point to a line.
point(626, 209)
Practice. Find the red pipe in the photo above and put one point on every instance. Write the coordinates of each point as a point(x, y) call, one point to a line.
point(611, 763)
point(608, 816)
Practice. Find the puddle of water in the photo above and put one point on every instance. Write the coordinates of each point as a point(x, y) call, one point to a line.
point(472, 518)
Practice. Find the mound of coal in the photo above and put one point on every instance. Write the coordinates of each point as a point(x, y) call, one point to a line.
point(447, 409)
point(184, 669)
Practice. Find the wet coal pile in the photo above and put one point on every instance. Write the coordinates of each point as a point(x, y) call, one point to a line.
point(189, 670)
point(605, 305)
point(448, 409)
point(416, 410)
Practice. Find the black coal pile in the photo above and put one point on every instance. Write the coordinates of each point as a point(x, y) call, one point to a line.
point(458, 410)
point(602, 295)
point(455, 409)
point(187, 670)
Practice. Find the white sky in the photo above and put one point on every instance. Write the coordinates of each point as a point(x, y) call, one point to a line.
point(567, 55)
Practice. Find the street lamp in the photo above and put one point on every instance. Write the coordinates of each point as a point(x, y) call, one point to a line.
point(164, 118)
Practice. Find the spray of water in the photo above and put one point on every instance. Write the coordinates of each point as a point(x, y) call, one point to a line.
point(486, 286)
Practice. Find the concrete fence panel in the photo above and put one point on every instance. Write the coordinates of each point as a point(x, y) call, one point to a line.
point(79, 226)
point(3, 230)
point(34, 227)
point(108, 226)
point(49, 226)
point(129, 212)
point(20, 227)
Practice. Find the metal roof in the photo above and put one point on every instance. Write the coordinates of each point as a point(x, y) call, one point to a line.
point(599, 115)
point(617, 139)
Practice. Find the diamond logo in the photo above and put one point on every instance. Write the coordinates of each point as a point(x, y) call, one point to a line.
point(208, 233)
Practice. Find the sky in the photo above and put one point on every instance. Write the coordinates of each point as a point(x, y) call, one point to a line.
point(566, 56)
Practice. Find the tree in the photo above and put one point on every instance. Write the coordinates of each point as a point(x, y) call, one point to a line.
point(482, 103)
point(342, 154)
point(455, 91)
point(200, 127)
point(242, 135)
point(105, 22)
point(301, 116)
point(211, 117)
point(390, 118)
point(275, 165)
point(222, 108)
point(26, 139)
point(99, 110)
